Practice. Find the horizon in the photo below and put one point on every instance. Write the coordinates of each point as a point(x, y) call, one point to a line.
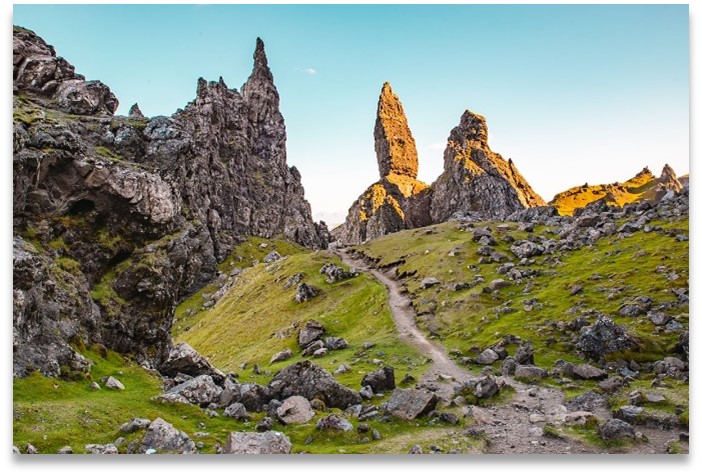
point(626, 81)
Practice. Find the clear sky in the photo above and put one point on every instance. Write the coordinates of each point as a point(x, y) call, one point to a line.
point(572, 94)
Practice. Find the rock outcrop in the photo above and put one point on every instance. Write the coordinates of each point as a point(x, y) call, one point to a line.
point(388, 205)
point(476, 179)
point(644, 186)
point(118, 218)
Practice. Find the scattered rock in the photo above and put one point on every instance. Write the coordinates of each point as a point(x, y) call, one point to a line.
point(380, 380)
point(268, 442)
point(408, 404)
point(588, 372)
point(135, 424)
point(266, 424)
point(487, 357)
point(113, 383)
point(163, 437)
point(336, 273)
point(237, 411)
point(184, 359)
point(603, 337)
point(66, 450)
point(615, 429)
point(200, 390)
point(305, 292)
point(335, 423)
point(335, 343)
point(310, 332)
point(108, 449)
point(281, 356)
point(311, 381)
point(429, 282)
point(271, 257)
point(530, 373)
point(295, 409)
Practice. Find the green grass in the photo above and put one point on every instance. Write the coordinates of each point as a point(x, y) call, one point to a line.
point(245, 327)
point(108, 154)
point(51, 413)
point(470, 318)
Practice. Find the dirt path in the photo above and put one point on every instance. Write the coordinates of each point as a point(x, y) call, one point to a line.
point(514, 427)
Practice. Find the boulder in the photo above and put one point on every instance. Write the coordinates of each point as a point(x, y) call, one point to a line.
point(271, 257)
point(408, 404)
point(429, 282)
point(524, 354)
point(487, 357)
point(108, 449)
point(305, 292)
point(615, 429)
point(164, 438)
point(526, 249)
point(184, 359)
point(530, 373)
point(334, 422)
point(603, 337)
point(309, 380)
point(266, 424)
point(295, 409)
point(237, 411)
point(588, 372)
point(281, 356)
point(310, 332)
point(113, 383)
point(335, 343)
point(380, 380)
point(135, 424)
point(199, 391)
point(588, 402)
point(252, 395)
point(336, 273)
point(268, 442)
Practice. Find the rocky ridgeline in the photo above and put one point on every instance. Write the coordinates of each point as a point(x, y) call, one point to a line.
point(475, 179)
point(117, 218)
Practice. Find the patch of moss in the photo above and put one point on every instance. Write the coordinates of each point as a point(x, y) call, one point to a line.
point(108, 154)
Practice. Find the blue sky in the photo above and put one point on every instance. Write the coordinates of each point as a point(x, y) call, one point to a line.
point(572, 94)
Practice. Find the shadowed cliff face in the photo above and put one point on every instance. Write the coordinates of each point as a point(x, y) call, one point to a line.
point(117, 218)
point(475, 179)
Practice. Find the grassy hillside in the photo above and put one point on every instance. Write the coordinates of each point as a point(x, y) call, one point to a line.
point(259, 317)
point(619, 194)
point(611, 272)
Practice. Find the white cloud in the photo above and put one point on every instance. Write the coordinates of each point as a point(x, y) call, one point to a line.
point(310, 71)
point(437, 146)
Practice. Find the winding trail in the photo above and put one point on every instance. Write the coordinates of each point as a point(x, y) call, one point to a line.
point(513, 427)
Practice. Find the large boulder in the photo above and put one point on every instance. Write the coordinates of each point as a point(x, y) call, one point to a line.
point(164, 438)
point(615, 429)
point(310, 332)
point(311, 381)
point(380, 380)
point(252, 395)
point(295, 409)
point(267, 442)
point(481, 387)
point(183, 359)
point(198, 391)
point(334, 422)
point(588, 372)
point(603, 337)
point(305, 292)
point(408, 404)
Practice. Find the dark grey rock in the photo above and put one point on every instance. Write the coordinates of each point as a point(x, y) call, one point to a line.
point(380, 380)
point(164, 438)
point(408, 404)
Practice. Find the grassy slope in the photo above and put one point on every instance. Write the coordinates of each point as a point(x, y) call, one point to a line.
point(259, 317)
point(633, 190)
point(469, 320)
point(70, 413)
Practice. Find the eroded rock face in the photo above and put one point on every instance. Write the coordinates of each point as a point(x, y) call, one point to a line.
point(385, 206)
point(139, 210)
point(476, 179)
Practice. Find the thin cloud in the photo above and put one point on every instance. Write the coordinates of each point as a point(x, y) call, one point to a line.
point(437, 146)
point(310, 71)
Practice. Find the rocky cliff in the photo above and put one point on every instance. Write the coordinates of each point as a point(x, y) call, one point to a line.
point(117, 218)
point(476, 179)
point(390, 204)
point(643, 186)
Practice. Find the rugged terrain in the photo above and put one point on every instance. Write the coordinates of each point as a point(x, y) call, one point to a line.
point(172, 294)
point(118, 218)
point(476, 181)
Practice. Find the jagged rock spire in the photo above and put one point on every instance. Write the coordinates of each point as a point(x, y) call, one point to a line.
point(474, 128)
point(669, 179)
point(394, 144)
point(261, 73)
point(135, 112)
